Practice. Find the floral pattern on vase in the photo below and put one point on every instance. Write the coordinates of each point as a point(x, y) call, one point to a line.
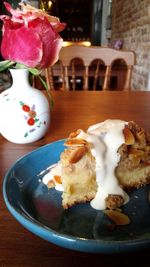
point(25, 111)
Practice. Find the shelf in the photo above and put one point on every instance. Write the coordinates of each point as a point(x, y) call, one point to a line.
point(77, 15)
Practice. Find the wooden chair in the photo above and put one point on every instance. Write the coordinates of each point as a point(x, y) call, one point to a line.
point(82, 57)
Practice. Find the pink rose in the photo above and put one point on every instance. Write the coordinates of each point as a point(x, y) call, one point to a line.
point(30, 37)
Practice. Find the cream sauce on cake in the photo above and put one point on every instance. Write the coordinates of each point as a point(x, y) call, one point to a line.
point(107, 137)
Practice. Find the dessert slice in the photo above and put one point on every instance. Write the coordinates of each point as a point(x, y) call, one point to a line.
point(104, 163)
point(78, 173)
point(133, 170)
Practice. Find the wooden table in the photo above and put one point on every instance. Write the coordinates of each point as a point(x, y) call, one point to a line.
point(73, 110)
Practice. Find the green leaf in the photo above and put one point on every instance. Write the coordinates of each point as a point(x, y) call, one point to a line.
point(48, 91)
point(34, 71)
point(20, 66)
point(43, 82)
point(21, 103)
point(26, 134)
point(6, 64)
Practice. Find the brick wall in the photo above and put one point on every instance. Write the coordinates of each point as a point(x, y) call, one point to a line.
point(131, 23)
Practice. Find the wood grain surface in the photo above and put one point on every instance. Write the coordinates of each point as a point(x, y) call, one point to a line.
point(73, 110)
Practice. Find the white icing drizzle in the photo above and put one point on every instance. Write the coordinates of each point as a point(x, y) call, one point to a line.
point(107, 137)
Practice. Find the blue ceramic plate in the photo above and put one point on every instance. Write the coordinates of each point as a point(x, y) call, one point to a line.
point(81, 227)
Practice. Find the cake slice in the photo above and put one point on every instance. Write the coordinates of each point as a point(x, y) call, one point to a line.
point(133, 170)
point(104, 163)
point(78, 173)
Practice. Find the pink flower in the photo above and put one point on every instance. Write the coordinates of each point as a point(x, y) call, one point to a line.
point(30, 37)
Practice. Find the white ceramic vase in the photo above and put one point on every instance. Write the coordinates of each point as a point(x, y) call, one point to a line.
point(24, 110)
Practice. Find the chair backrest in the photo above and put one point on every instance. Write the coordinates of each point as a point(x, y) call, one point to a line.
point(71, 56)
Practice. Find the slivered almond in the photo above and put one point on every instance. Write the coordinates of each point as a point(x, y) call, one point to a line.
point(75, 142)
point(51, 184)
point(57, 178)
point(135, 159)
point(129, 137)
point(77, 154)
point(136, 152)
point(117, 217)
point(74, 134)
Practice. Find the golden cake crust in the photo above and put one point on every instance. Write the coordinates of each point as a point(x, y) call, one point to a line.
point(133, 170)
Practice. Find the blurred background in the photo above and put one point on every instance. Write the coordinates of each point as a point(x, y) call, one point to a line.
point(115, 23)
